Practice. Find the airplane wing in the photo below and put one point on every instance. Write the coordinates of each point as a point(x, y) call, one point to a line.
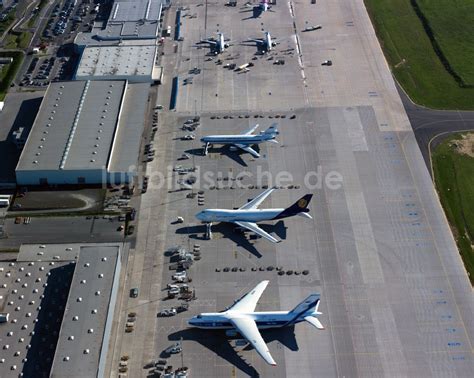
point(254, 228)
point(251, 130)
point(248, 329)
point(210, 41)
point(248, 302)
point(257, 200)
point(257, 41)
point(248, 149)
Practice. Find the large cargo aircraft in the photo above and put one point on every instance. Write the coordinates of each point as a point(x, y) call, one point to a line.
point(248, 215)
point(241, 317)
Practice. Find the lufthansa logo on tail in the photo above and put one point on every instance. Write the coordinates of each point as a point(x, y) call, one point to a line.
point(302, 203)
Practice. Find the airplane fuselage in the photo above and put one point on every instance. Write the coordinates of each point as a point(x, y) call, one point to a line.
point(236, 139)
point(221, 44)
point(268, 41)
point(264, 320)
point(222, 215)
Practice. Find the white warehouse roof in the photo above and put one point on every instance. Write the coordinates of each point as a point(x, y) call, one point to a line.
point(133, 63)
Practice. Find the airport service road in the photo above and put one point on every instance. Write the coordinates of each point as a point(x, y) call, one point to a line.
point(433, 126)
point(60, 230)
point(395, 296)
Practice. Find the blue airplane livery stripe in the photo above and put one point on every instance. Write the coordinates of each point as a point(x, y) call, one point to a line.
point(313, 304)
point(233, 140)
point(229, 324)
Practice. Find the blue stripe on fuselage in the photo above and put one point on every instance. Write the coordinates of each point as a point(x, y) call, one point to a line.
point(275, 323)
point(295, 318)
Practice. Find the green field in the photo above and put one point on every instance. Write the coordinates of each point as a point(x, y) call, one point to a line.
point(411, 54)
point(8, 73)
point(14, 41)
point(452, 23)
point(454, 177)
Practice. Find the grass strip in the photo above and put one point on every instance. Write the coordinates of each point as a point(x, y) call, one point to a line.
point(454, 178)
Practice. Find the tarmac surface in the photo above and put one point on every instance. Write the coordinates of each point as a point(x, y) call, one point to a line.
point(395, 297)
point(60, 230)
point(431, 127)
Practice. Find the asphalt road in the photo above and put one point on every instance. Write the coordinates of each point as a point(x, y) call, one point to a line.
point(431, 127)
point(61, 230)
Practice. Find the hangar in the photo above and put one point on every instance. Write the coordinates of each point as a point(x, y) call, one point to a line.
point(86, 133)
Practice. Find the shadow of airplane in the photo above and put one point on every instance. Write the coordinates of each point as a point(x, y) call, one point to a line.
point(225, 151)
point(256, 13)
point(219, 343)
point(234, 155)
point(228, 230)
point(195, 151)
point(261, 48)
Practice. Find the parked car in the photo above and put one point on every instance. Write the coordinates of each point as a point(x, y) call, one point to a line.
point(168, 312)
point(173, 349)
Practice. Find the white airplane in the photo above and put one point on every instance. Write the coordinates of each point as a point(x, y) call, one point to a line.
point(243, 141)
point(266, 43)
point(247, 215)
point(218, 45)
point(241, 317)
point(264, 6)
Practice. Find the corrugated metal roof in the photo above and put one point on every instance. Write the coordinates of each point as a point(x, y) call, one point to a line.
point(82, 330)
point(130, 129)
point(135, 10)
point(74, 127)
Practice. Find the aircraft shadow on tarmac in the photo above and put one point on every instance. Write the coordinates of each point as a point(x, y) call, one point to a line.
point(260, 48)
point(256, 13)
point(242, 239)
point(224, 151)
point(219, 343)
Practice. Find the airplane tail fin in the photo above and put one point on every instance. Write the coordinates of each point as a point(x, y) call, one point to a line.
point(308, 309)
point(300, 207)
point(308, 305)
point(272, 130)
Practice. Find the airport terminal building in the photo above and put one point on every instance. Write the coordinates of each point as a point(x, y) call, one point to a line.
point(85, 133)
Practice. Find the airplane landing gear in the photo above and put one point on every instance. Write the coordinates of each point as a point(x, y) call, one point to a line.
point(208, 231)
